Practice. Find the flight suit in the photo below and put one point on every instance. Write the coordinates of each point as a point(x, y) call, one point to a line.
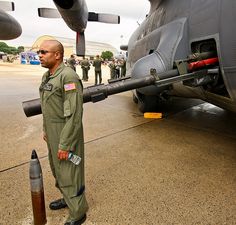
point(112, 67)
point(85, 65)
point(61, 97)
point(71, 62)
point(123, 68)
point(97, 63)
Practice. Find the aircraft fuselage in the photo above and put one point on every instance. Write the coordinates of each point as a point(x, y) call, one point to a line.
point(175, 29)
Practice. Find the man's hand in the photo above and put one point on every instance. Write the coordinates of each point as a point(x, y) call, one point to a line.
point(62, 155)
point(44, 136)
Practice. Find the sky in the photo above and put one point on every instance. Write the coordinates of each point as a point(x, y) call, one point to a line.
point(132, 13)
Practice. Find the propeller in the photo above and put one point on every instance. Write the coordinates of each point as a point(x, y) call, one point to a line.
point(103, 18)
point(76, 16)
point(7, 6)
point(92, 16)
point(80, 44)
point(48, 13)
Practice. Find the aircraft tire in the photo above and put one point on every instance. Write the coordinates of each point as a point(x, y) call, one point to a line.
point(147, 103)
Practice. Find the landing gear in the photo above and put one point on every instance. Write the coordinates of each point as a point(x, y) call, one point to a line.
point(146, 103)
point(135, 99)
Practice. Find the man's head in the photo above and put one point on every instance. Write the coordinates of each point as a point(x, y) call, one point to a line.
point(51, 54)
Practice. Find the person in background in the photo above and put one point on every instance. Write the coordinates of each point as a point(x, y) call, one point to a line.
point(97, 63)
point(117, 68)
point(71, 62)
point(85, 66)
point(112, 66)
point(61, 95)
point(123, 67)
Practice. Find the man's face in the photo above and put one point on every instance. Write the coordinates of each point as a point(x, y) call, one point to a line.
point(47, 55)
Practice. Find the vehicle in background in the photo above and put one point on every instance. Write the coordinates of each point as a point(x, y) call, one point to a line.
point(29, 58)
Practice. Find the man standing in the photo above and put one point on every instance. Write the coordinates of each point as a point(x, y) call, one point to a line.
point(112, 67)
point(61, 97)
point(123, 67)
point(117, 69)
point(97, 63)
point(85, 66)
point(71, 62)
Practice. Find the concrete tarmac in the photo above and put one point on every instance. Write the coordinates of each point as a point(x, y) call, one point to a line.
point(179, 170)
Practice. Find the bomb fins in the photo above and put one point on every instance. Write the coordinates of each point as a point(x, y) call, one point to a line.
point(37, 190)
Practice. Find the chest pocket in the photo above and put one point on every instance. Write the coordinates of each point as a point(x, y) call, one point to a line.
point(48, 93)
point(53, 103)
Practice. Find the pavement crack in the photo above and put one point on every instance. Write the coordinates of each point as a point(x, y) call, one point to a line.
point(87, 142)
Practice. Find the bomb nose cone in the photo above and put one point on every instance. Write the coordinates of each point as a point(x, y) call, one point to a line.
point(34, 155)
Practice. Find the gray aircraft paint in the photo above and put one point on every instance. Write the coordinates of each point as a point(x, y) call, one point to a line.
point(10, 28)
point(168, 33)
point(174, 30)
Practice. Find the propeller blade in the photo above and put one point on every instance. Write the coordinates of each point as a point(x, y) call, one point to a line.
point(7, 6)
point(80, 44)
point(48, 13)
point(103, 18)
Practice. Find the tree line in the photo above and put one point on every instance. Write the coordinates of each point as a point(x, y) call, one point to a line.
point(9, 49)
point(13, 50)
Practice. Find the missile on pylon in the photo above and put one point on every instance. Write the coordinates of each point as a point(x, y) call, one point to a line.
point(37, 190)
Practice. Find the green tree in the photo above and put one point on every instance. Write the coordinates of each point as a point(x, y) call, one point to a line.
point(107, 55)
point(3, 46)
point(21, 49)
point(7, 49)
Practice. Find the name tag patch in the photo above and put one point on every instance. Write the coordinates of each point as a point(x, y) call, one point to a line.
point(69, 87)
point(47, 87)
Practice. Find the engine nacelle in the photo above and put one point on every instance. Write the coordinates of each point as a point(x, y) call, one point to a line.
point(74, 13)
point(9, 26)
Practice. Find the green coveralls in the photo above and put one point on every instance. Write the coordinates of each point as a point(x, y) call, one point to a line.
point(112, 70)
point(85, 65)
point(97, 63)
point(71, 63)
point(62, 122)
point(123, 68)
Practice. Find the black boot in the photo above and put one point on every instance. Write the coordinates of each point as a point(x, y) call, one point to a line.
point(58, 204)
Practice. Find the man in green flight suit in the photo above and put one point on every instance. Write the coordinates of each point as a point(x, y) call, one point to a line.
point(123, 67)
point(71, 62)
point(112, 66)
point(97, 63)
point(61, 95)
point(85, 66)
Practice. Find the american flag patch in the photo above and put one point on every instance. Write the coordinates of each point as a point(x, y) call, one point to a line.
point(69, 87)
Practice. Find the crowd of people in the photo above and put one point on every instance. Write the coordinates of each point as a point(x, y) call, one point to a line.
point(117, 67)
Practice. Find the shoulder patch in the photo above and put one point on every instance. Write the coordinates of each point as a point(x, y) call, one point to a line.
point(69, 87)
